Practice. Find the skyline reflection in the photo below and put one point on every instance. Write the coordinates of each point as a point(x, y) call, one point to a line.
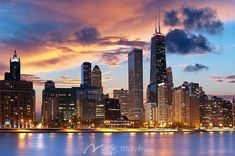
point(130, 144)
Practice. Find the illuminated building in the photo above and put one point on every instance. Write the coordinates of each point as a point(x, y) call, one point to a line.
point(17, 99)
point(181, 107)
point(59, 106)
point(123, 96)
point(150, 114)
point(164, 105)
point(158, 72)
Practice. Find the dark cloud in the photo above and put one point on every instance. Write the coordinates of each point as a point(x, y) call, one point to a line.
point(87, 35)
point(182, 42)
point(204, 19)
point(195, 19)
point(171, 18)
point(231, 81)
point(195, 68)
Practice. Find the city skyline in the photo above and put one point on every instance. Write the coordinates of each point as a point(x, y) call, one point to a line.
point(54, 49)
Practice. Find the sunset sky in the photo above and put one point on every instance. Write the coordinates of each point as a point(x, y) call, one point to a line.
point(54, 37)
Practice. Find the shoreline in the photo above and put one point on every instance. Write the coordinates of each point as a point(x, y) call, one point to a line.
point(113, 130)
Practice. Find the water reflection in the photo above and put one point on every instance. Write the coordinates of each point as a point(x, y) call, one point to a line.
point(130, 144)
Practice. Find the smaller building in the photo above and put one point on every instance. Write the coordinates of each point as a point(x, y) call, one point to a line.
point(150, 114)
point(59, 107)
point(123, 96)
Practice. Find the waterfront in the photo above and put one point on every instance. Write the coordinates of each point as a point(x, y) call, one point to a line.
point(150, 144)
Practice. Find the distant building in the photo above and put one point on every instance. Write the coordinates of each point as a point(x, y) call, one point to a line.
point(17, 99)
point(96, 78)
point(86, 74)
point(123, 97)
point(59, 108)
point(135, 76)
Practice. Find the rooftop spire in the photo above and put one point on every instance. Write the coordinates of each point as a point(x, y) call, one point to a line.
point(159, 24)
point(155, 22)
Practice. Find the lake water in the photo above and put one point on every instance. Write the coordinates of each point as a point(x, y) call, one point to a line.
point(123, 144)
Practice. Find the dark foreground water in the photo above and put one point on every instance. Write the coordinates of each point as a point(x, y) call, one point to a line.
point(123, 144)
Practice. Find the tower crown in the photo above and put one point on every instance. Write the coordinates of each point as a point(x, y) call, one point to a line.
point(15, 58)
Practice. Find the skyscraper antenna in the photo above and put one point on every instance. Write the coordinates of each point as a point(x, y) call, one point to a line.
point(155, 22)
point(159, 24)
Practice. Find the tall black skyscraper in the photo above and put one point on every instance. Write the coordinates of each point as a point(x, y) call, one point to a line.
point(158, 73)
point(158, 58)
point(86, 74)
point(14, 74)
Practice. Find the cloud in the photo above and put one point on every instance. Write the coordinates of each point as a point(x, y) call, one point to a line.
point(225, 79)
point(114, 57)
point(33, 78)
point(195, 68)
point(120, 40)
point(38, 81)
point(87, 35)
point(204, 19)
point(179, 41)
point(171, 18)
point(230, 77)
point(195, 19)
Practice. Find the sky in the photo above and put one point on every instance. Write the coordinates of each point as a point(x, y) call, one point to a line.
point(54, 37)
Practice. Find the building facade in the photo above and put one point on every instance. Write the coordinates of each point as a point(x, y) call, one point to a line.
point(135, 76)
point(123, 96)
point(86, 74)
point(59, 107)
point(96, 78)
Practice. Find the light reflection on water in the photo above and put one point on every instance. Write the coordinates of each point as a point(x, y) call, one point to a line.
point(130, 144)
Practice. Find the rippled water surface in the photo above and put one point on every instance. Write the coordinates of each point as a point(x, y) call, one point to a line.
point(93, 144)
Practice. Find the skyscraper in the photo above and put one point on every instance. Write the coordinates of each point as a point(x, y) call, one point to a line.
point(135, 75)
point(96, 78)
point(86, 74)
point(158, 58)
point(158, 73)
point(17, 99)
point(14, 74)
